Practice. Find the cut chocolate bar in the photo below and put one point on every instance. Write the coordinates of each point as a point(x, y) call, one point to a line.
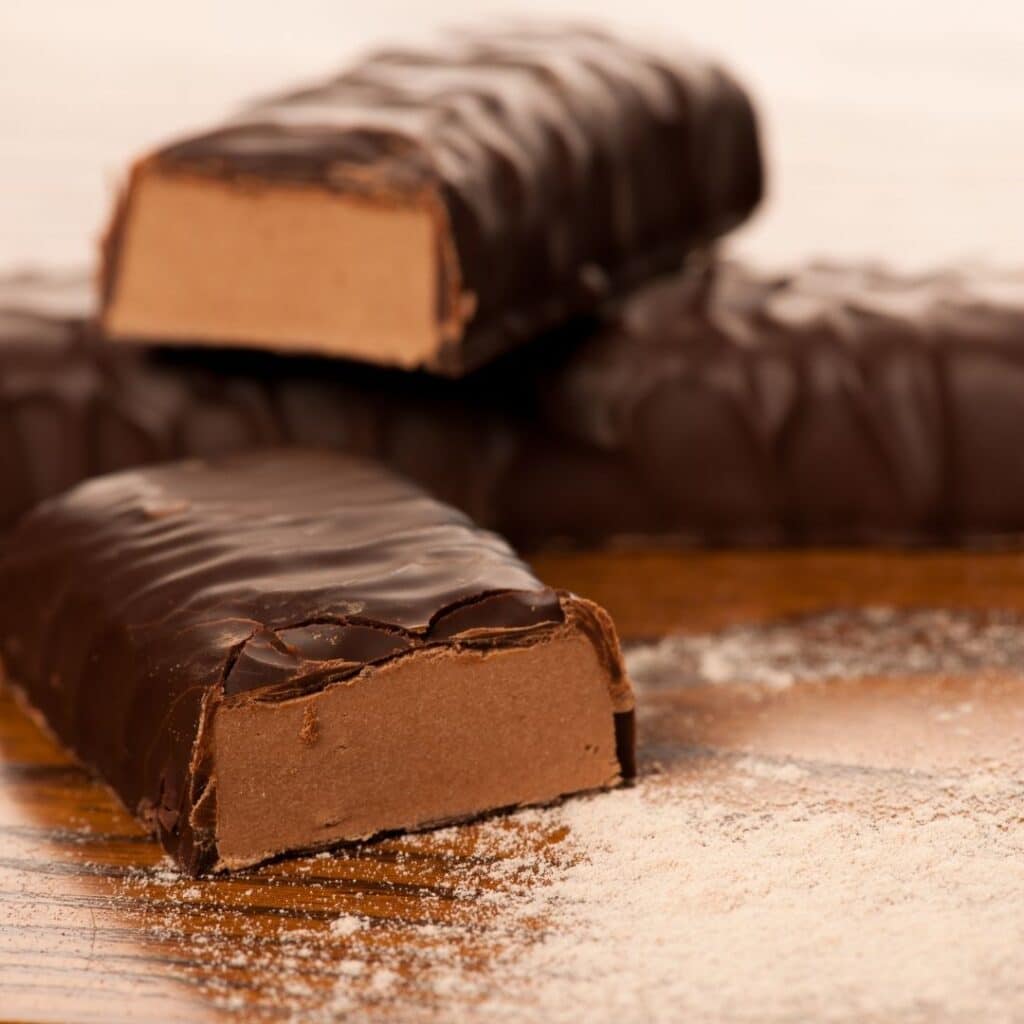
point(281, 651)
point(435, 207)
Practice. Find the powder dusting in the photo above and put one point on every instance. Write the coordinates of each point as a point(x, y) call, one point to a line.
point(734, 885)
point(836, 645)
point(841, 900)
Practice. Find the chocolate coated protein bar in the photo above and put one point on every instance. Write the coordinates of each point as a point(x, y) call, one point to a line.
point(435, 207)
point(283, 650)
point(833, 404)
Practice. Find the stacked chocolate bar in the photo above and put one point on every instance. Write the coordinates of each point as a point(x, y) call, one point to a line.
point(434, 208)
point(714, 406)
point(483, 268)
point(289, 648)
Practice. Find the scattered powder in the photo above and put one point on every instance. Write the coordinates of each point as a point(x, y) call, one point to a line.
point(842, 644)
point(754, 889)
point(670, 901)
point(758, 768)
point(383, 980)
point(164, 873)
point(952, 714)
point(347, 925)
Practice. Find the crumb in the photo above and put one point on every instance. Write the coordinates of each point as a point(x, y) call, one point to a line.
point(309, 731)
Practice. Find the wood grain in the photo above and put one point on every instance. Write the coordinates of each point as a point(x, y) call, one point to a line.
point(649, 593)
point(900, 144)
point(94, 928)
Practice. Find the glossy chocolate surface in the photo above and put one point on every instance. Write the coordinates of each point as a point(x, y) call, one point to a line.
point(570, 164)
point(719, 406)
point(72, 408)
point(835, 404)
point(133, 605)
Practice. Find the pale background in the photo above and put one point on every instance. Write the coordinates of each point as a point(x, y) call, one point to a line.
point(895, 129)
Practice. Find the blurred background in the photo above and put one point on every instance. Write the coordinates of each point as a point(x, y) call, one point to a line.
point(895, 129)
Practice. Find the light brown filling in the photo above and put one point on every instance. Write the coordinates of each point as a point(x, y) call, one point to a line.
point(281, 266)
point(438, 736)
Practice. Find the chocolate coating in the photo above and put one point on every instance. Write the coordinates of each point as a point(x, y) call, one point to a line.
point(834, 404)
point(831, 405)
point(72, 408)
point(570, 164)
point(719, 406)
point(132, 605)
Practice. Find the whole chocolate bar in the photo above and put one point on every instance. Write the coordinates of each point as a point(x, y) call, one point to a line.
point(283, 650)
point(836, 404)
point(719, 406)
point(435, 207)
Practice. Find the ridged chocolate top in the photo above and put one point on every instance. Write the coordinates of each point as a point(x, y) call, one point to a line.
point(830, 404)
point(570, 163)
point(72, 408)
point(133, 604)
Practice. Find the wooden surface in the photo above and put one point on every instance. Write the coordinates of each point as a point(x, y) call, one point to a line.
point(891, 134)
point(93, 928)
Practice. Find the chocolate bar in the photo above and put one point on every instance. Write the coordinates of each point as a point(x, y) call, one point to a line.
point(434, 207)
point(719, 406)
point(835, 404)
point(72, 408)
point(281, 651)
point(722, 406)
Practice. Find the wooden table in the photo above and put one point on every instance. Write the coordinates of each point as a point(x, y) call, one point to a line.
point(93, 927)
point(890, 135)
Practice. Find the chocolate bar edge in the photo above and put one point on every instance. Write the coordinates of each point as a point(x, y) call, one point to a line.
point(182, 822)
point(469, 341)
